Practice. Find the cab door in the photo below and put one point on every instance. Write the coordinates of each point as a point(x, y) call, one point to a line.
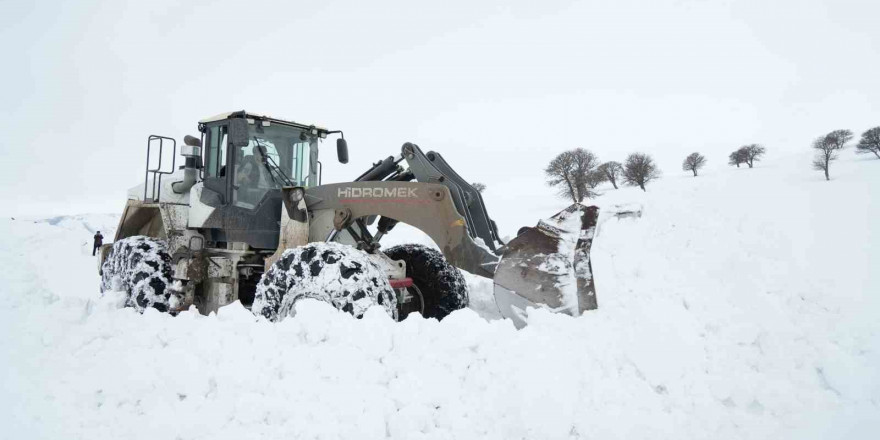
point(216, 165)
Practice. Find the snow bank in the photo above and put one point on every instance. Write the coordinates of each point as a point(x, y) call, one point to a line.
point(739, 304)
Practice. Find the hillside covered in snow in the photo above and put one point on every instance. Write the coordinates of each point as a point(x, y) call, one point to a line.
point(739, 304)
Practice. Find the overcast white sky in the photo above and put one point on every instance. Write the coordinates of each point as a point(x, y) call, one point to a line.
point(497, 87)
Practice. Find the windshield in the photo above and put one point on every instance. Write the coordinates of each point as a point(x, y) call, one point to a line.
point(276, 156)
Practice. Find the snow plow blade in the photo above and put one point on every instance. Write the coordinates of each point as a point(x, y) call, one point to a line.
point(548, 266)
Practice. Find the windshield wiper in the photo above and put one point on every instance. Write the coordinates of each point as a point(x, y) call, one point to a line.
point(271, 165)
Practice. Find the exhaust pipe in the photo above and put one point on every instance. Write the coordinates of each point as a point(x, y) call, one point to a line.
point(191, 151)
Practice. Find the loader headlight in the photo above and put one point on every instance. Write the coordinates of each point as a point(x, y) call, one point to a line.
point(296, 195)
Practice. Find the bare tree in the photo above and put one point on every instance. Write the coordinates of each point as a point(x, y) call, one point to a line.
point(736, 158)
point(574, 173)
point(593, 179)
point(640, 169)
point(751, 153)
point(827, 147)
point(693, 162)
point(586, 176)
point(560, 172)
point(611, 171)
point(480, 187)
point(870, 142)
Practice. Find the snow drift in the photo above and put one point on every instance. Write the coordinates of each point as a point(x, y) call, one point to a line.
point(739, 304)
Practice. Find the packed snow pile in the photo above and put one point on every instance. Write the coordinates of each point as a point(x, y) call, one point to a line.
point(739, 304)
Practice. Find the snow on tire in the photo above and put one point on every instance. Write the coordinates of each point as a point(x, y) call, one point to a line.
point(141, 267)
point(334, 273)
point(441, 284)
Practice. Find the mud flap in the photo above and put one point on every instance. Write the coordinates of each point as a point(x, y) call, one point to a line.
point(549, 266)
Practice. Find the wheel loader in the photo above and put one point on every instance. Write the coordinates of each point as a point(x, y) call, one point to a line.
point(247, 218)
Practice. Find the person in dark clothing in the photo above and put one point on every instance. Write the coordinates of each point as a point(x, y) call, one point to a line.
point(99, 240)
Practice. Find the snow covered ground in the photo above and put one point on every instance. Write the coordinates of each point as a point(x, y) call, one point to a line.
point(740, 304)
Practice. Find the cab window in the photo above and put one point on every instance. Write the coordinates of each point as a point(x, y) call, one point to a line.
point(215, 157)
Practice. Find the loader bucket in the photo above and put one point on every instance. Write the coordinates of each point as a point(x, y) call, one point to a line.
point(548, 266)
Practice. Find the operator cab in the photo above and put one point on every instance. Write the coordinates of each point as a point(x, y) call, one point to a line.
point(247, 159)
point(247, 155)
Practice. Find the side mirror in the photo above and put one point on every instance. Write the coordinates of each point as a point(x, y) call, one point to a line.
point(342, 150)
point(192, 141)
point(238, 132)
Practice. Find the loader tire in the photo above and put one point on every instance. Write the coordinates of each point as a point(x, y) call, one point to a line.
point(441, 284)
point(334, 273)
point(141, 267)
